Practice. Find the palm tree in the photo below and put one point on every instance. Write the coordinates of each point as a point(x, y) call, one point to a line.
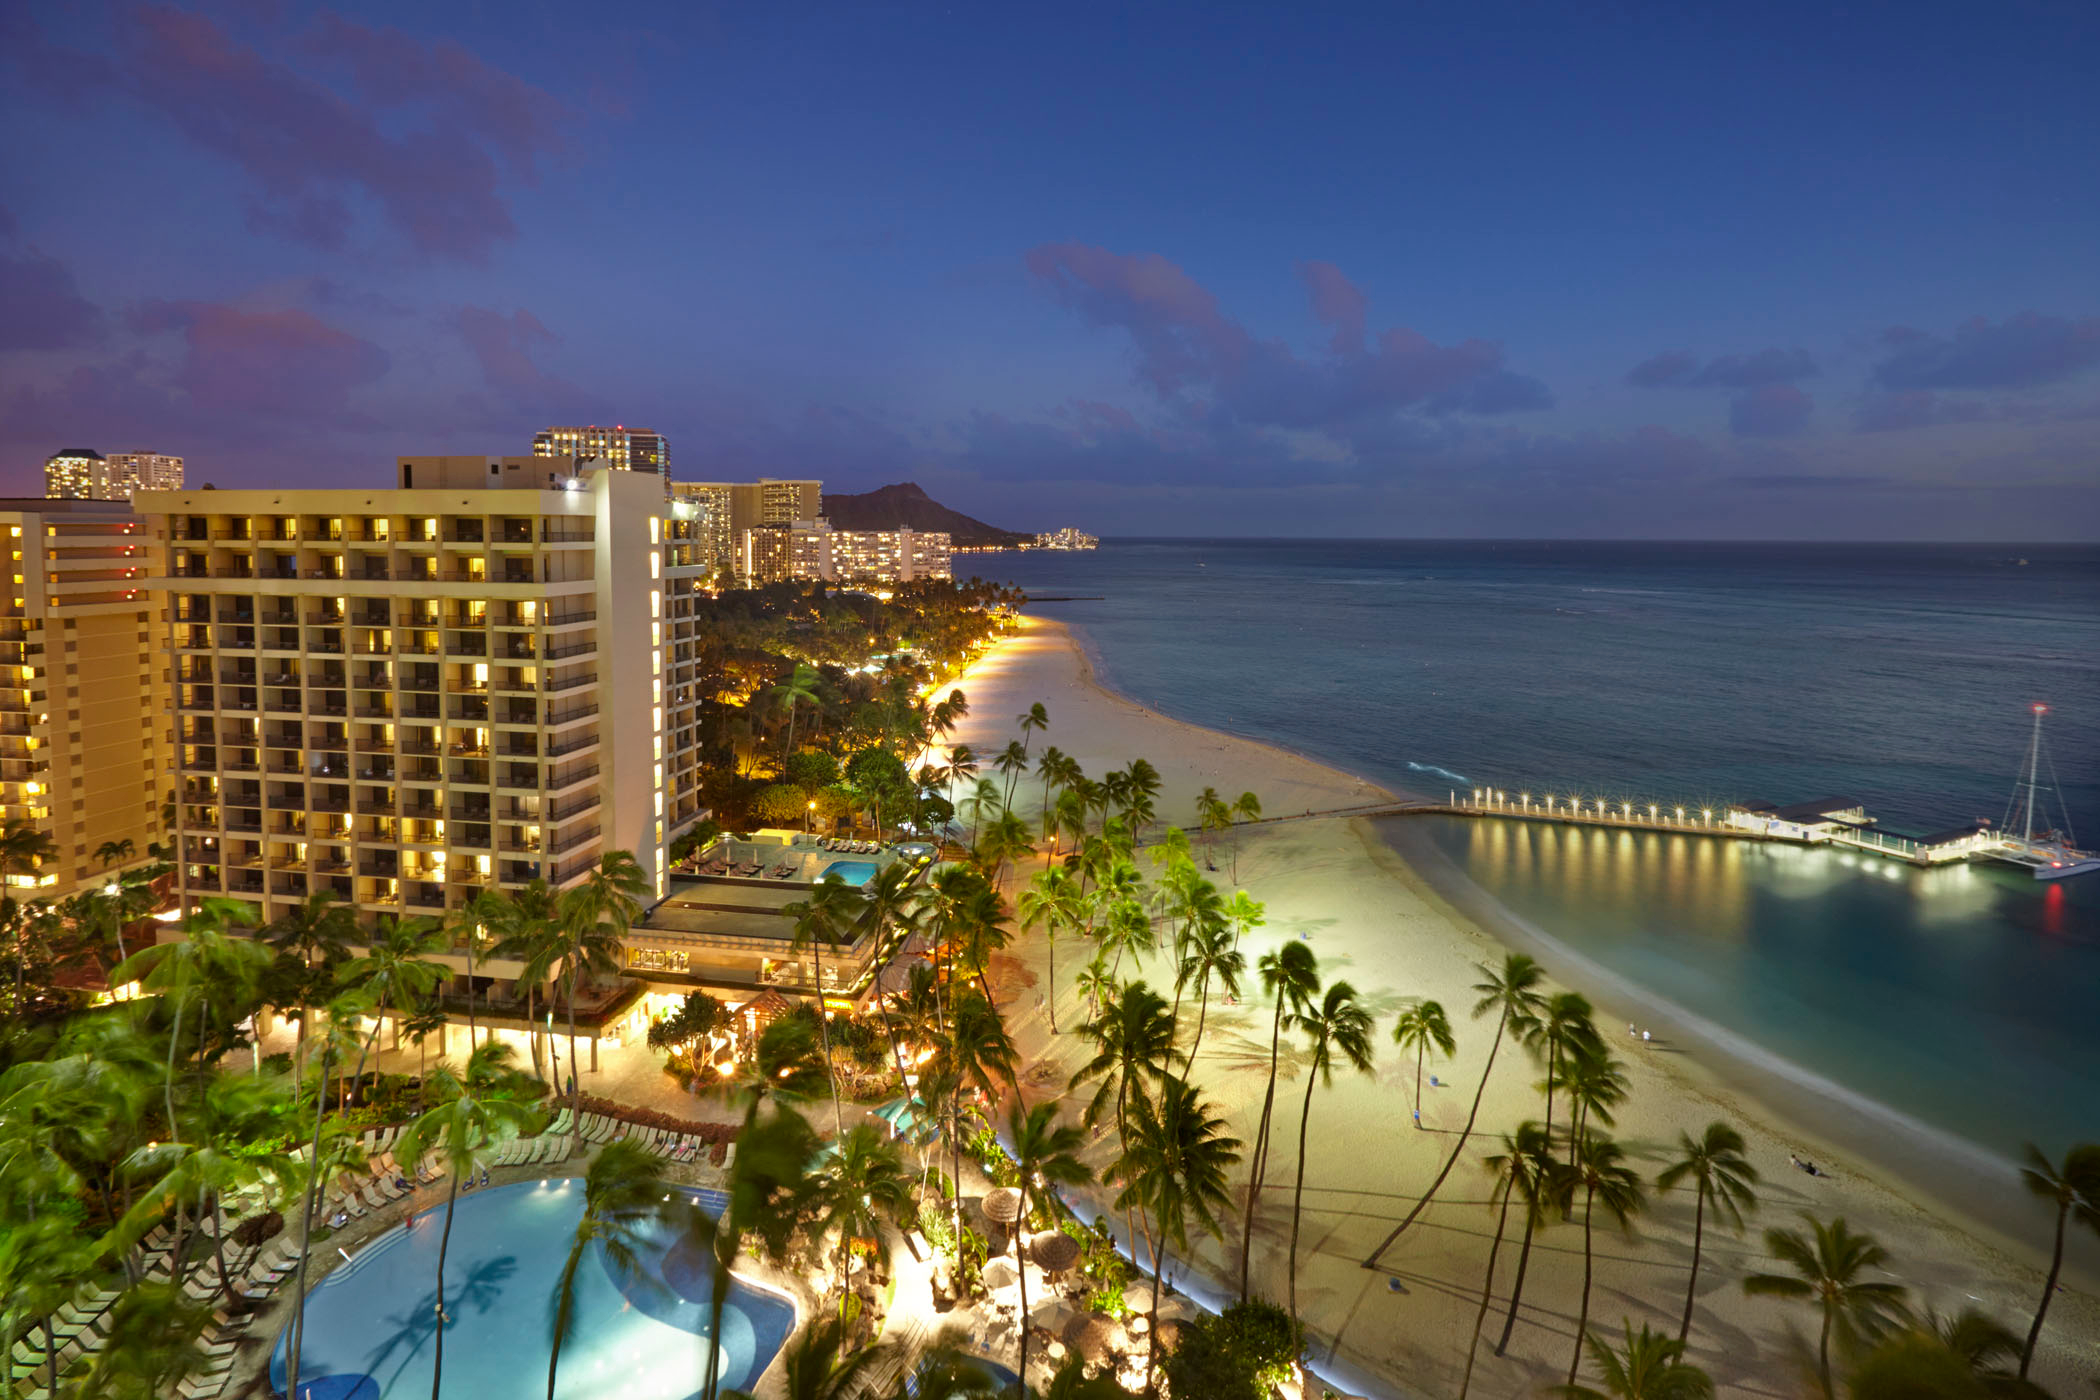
point(1827, 1265)
point(1512, 994)
point(318, 931)
point(481, 917)
point(1012, 762)
point(587, 937)
point(866, 1193)
point(1545, 1183)
point(2074, 1189)
point(1598, 1166)
point(820, 1366)
point(624, 1192)
point(1051, 901)
point(823, 919)
point(1650, 1366)
point(1210, 953)
point(1720, 1173)
point(1970, 1355)
point(395, 972)
point(798, 689)
point(1596, 1084)
point(1521, 1152)
point(1421, 1027)
point(523, 924)
point(770, 1189)
point(1213, 813)
point(783, 1065)
point(462, 1128)
point(1033, 719)
point(110, 852)
point(1176, 1163)
point(1562, 1029)
point(1246, 807)
point(152, 1346)
point(1046, 1154)
point(1338, 1028)
point(976, 1054)
point(1291, 977)
point(1133, 1038)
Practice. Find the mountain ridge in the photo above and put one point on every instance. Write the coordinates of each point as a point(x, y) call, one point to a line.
point(905, 503)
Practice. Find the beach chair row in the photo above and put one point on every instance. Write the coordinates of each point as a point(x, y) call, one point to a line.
point(672, 1145)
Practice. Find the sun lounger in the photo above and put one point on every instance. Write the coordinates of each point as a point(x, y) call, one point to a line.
point(560, 1123)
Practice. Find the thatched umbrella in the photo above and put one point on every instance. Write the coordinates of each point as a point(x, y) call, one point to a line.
point(1054, 1250)
point(1001, 1206)
point(1090, 1334)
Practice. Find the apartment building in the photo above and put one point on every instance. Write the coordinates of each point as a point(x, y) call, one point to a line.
point(904, 555)
point(626, 449)
point(410, 695)
point(145, 471)
point(84, 745)
point(731, 510)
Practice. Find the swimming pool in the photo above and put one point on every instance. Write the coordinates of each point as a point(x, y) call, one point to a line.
point(369, 1332)
point(853, 872)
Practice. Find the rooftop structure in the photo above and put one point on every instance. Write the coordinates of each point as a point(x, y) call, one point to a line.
point(621, 447)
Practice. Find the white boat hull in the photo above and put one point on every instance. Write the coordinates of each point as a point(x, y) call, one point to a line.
point(2065, 869)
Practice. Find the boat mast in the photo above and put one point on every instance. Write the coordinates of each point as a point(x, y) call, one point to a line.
point(2034, 764)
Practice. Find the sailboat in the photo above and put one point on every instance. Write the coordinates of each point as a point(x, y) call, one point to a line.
point(2050, 852)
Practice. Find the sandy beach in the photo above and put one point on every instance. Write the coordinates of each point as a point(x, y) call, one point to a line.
point(1403, 1329)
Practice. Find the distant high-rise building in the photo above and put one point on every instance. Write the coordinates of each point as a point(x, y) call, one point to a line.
point(84, 738)
point(731, 510)
point(904, 555)
point(627, 449)
point(79, 474)
point(146, 471)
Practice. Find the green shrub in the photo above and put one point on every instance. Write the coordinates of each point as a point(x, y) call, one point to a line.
point(1244, 1353)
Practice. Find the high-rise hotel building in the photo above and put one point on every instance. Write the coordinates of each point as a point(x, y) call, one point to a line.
point(83, 732)
point(83, 475)
point(626, 449)
point(730, 511)
point(410, 695)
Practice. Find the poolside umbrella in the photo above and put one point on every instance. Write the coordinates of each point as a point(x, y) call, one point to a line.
point(1054, 1250)
point(1138, 1297)
point(1001, 1206)
point(1090, 1334)
point(1001, 1274)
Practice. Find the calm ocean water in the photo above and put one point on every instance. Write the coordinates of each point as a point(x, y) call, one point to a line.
point(1692, 674)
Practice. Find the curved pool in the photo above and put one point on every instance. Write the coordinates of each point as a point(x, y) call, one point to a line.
point(642, 1335)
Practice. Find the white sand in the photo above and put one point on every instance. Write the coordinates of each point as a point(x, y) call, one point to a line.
point(1372, 921)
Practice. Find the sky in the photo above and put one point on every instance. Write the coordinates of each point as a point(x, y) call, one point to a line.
point(1504, 270)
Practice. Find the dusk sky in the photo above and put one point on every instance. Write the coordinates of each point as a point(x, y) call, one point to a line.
point(1661, 270)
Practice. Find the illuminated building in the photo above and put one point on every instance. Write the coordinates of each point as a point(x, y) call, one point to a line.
point(624, 448)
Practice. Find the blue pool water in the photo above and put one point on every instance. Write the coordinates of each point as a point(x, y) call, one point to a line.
point(641, 1336)
point(853, 872)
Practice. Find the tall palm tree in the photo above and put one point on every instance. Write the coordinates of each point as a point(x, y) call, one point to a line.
point(1133, 1038)
point(1595, 1082)
point(1544, 1184)
point(1213, 814)
point(1562, 1029)
point(1512, 993)
point(1650, 1366)
point(110, 852)
point(823, 919)
point(1046, 1154)
point(523, 926)
point(206, 966)
point(770, 1190)
point(624, 1192)
point(1291, 977)
point(466, 927)
point(1051, 902)
point(865, 1195)
point(797, 689)
point(1598, 1166)
point(1337, 1029)
point(1520, 1154)
point(1210, 952)
point(462, 1128)
point(2074, 1189)
point(318, 931)
point(1031, 721)
point(1176, 1163)
point(1245, 808)
point(1720, 1173)
point(977, 1055)
point(587, 936)
point(1012, 762)
point(397, 971)
point(1423, 1026)
point(1828, 1263)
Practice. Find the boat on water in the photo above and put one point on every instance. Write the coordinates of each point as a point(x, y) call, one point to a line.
point(2044, 842)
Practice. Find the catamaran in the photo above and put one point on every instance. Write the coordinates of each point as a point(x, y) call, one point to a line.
point(2027, 835)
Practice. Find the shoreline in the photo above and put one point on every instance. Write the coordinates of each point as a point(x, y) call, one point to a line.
point(1388, 926)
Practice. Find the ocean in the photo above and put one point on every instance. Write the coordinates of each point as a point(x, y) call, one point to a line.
point(1688, 675)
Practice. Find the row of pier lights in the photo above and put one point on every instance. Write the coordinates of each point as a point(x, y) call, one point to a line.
point(1589, 809)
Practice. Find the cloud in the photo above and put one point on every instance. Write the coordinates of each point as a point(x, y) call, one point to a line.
point(428, 142)
point(1770, 410)
point(280, 363)
point(2022, 351)
point(1245, 397)
point(40, 307)
point(1662, 370)
point(1680, 369)
point(503, 347)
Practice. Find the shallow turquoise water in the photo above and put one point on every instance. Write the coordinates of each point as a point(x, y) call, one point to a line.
point(853, 872)
point(1695, 674)
point(641, 1337)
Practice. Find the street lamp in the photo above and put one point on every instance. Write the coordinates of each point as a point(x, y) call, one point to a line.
point(809, 813)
